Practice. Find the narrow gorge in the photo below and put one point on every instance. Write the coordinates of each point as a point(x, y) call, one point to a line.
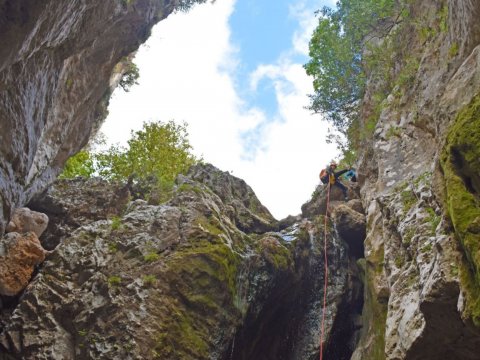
point(97, 269)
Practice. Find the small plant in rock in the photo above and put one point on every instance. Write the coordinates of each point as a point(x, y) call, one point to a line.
point(116, 223)
point(443, 19)
point(408, 200)
point(69, 83)
point(151, 257)
point(427, 248)
point(82, 332)
point(399, 261)
point(433, 219)
point(394, 131)
point(408, 235)
point(112, 247)
point(130, 76)
point(453, 51)
point(114, 281)
point(454, 269)
point(125, 3)
point(149, 280)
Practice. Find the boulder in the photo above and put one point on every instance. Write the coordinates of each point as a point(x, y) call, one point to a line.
point(19, 254)
point(25, 220)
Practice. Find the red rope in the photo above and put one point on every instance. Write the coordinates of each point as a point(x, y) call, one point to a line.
point(326, 276)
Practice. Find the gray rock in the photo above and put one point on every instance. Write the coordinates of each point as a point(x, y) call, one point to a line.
point(351, 227)
point(25, 220)
point(56, 65)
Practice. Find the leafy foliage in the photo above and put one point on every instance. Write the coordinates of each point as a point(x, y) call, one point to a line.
point(185, 5)
point(337, 51)
point(159, 151)
point(82, 164)
point(347, 47)
point(130, 76)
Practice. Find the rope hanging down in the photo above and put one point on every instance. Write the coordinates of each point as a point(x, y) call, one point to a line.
point(325, 285)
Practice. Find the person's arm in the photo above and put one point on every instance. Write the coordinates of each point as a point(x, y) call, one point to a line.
point(341, 172)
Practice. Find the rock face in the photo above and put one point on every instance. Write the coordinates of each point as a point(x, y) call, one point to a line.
point(181, 280)
point(56, 62)
point(420, 191)
point(68, 207)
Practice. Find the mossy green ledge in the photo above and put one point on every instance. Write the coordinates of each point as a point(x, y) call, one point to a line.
point(460, 162)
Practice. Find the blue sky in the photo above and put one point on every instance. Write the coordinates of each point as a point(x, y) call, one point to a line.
point(262, 31)
point(232, 70)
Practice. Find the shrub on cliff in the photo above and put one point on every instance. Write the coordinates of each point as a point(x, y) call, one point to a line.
point(185, 5)
point(160, 150)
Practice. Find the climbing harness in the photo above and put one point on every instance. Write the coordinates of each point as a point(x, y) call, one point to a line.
point(326, 275)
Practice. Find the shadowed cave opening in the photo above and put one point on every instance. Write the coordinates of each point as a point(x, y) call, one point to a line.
point(276, 330)
point(466, 170)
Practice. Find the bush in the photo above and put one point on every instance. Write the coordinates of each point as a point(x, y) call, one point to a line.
point(185, 5)
point(157, 153)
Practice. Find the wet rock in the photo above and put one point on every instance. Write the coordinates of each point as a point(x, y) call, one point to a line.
point(25, 220)
point(288, 221)
point(19, 254)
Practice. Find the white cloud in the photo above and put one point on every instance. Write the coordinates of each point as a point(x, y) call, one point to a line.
point(187, 74)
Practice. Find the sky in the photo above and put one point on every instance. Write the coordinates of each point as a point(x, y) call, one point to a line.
point(233, 71)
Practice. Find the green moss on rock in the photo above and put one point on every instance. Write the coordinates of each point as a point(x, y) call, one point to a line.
point(204, 275)
point(374, 314)
point(460, 162)
point(276, 254)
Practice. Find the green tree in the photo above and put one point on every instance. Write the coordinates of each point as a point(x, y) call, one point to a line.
point(157, 153)
point(337, 51)
point(82, 164)
point(160, 149)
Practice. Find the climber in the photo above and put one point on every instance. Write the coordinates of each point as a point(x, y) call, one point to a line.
point(330, 175)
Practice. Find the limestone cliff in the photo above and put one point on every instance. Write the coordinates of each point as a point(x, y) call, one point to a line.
point(56, 63)
point(420, 190)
